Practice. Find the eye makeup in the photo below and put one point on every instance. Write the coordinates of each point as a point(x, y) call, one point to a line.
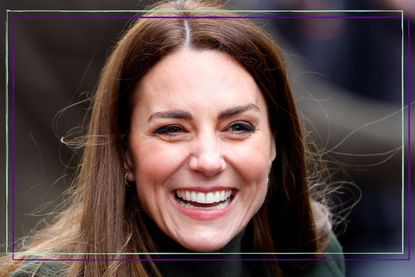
point(241, 127)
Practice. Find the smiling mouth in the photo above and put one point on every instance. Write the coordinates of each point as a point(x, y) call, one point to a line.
point(210, 200)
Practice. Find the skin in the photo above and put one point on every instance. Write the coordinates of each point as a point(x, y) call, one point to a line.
point(194, 146)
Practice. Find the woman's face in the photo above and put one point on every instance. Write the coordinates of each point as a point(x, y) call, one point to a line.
point(200, 148)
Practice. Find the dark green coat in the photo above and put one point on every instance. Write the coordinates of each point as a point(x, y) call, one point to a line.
point(332, 267)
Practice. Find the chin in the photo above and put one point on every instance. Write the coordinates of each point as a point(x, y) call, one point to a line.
point(205, 243)
point(204, 246)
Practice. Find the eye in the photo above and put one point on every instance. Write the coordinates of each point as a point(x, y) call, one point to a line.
point(169, 130)
point(241, 127)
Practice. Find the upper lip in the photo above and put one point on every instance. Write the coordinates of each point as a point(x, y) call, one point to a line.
point(205, 188)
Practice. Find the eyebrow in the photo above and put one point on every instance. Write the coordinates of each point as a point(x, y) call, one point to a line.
point(171, 114)
point(179, 114)
point(238, 110)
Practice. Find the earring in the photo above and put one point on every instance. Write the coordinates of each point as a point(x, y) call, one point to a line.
point(126, 178)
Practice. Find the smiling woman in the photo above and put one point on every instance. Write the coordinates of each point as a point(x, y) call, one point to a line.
point(194, 146)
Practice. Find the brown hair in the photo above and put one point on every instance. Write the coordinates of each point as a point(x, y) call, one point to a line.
point(103, 215)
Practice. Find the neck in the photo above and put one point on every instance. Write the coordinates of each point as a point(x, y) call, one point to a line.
point(194, 264)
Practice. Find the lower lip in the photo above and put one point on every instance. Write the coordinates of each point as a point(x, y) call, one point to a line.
point(203, 213)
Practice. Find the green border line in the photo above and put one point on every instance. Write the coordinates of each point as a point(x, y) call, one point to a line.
point(214, 11)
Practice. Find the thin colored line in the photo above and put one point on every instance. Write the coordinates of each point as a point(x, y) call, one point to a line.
point(409, 136)
point(183, 260)
point(13, 128)
point(208, 260)
point(7, 134)
point(209, 253)
point(402, 136)
point(213, 11)
point(13, 95)
point(200, 17)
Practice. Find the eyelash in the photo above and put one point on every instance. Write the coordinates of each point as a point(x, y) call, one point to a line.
point(246, 126)
point(174, 130)
point(170, 130)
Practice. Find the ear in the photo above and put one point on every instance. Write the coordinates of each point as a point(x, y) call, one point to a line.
point(129, 166)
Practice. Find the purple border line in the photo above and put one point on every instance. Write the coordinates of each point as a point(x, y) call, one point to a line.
point(208, 17)
point(408, 90)
point(206, 259)
point(205, 17)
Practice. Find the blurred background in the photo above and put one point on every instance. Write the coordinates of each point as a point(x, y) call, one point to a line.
point(345, 73)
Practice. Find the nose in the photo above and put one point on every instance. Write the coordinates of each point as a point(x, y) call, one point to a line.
point(207, 158)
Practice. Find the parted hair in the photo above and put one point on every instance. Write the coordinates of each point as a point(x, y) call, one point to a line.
point(104, 215)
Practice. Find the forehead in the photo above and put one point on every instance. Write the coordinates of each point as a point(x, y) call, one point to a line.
point(188, 78)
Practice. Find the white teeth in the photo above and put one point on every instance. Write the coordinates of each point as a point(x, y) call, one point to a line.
point(210, 198)
point(204, 198)
point(201, 198)
point(193, 197)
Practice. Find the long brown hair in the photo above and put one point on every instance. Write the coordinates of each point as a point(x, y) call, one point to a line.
point(104, 217)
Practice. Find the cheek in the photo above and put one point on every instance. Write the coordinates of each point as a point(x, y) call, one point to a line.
point(253, 160)
point(154, 162)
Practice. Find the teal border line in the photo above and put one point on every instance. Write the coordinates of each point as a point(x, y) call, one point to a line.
point(203, 11)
